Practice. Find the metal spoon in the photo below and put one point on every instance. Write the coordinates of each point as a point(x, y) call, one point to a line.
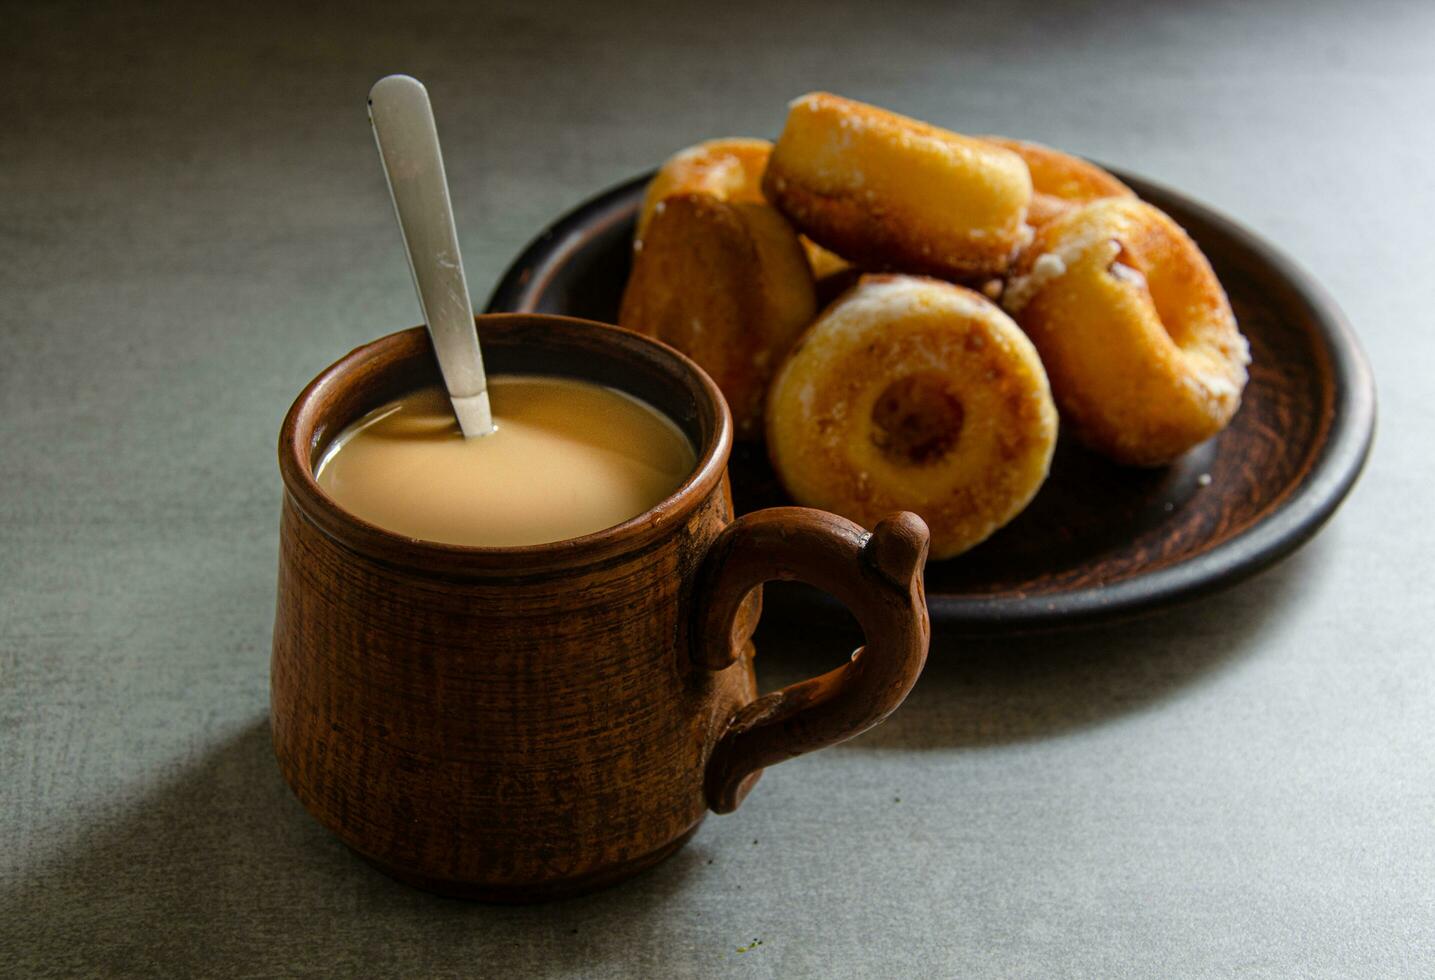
point(404, 129)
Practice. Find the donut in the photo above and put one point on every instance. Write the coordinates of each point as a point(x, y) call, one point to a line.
point(730, 170)
point(727, 284)
point(891, 193)
point(910, 393)
point(1060, 181)
point(1143, 351)
point(825, 264)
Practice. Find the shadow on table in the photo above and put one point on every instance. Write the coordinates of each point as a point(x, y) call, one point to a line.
point(221, 872)
point(989, 691)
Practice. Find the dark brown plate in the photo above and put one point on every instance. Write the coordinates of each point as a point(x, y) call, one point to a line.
point(1099, 541)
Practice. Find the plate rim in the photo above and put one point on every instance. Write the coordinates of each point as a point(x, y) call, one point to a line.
point(1289, 525)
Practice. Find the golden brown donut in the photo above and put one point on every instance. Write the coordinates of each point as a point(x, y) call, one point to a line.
point(730, 170)
point(1142, 348)
point(888, 192)
point(727, 284)
point(1060, 181)
point(909, 393)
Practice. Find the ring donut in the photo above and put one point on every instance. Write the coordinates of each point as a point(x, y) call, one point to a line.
point(1060, 181)
point(1144, 354)
point(910, 393)
point(730, 170)
point(889, 192)
point(728, 285)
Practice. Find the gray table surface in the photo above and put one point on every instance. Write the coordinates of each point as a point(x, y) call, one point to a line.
point(193, 222)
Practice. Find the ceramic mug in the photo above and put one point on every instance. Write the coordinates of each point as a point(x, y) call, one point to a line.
point(521, 723)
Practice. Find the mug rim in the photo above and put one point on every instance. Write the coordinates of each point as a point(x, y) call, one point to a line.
point(304, 424)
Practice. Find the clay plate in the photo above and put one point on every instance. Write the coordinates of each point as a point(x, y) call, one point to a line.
point(1099, 541)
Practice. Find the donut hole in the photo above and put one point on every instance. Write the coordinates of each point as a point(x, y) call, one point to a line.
point(1168, 291)
point(917, 419)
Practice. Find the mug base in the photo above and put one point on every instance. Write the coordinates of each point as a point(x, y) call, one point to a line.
point(534, 892)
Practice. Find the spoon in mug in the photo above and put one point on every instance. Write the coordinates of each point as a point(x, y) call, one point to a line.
point(404, 129)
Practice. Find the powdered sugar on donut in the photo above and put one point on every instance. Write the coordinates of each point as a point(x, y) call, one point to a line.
point(1050, 266)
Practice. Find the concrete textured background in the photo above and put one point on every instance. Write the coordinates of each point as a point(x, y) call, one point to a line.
point(193, 222)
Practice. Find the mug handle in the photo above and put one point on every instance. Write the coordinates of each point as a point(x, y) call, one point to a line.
point(878, 576)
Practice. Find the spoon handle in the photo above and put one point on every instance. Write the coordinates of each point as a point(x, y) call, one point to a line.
point(404, 129)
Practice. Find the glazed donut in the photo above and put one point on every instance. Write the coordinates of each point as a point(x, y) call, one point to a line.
point(728, 285)
point(1143, 351)
point(910, 393)
point(1060, 181)
point(730, 170)
point(888, 192)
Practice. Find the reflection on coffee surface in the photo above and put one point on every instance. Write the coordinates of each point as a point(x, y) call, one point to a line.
point(568, 458)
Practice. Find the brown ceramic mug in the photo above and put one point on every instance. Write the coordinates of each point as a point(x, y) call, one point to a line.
point(515, 724)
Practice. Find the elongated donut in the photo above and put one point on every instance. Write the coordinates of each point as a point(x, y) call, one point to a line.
point(730, 170)
point(1144, 354)
point(889, 192)
point(909, 393)
point(1060, 181)
point(728, 285)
